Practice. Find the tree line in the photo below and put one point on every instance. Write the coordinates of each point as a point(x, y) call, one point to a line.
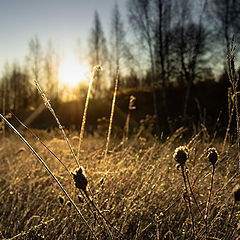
point(161, 44)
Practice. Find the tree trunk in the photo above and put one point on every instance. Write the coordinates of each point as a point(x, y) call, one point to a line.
point(187, 96)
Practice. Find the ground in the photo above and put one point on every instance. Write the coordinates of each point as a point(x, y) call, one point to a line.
point(136, 192)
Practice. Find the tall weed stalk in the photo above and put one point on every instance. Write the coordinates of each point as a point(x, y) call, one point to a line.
point(96, 70)
point(50, 172)
point(111, 116)
point(48, 105)
point(131, 107)
point(181, 155)
point(234, 80)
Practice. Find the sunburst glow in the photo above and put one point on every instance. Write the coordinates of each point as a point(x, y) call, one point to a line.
point(72, 72)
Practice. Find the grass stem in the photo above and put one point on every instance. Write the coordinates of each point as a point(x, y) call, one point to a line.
point(188, 200)
point(96, 69)
point(209, 200)
point(48, 105)
point(229, 220)
point(50, 172)
point(111, 116)
point(194, 198)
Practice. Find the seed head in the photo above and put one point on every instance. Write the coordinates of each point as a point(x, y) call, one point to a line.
point(181, 155)
point(80, 179)
point(212, 155)
point(97, 68)
point(132, 103)
point(61, 200)
point(236, 193)
point(80, 199)
point(101, 181)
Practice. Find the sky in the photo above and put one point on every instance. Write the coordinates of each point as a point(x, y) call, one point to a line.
point(63, 22)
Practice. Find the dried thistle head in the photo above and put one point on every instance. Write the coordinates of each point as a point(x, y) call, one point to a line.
point(61, 200)
point(80, 179)
point(212, 155)
point(181, 155)
point(236, 193)
point(80, 199)
point(97, 68)
point(101, 181)
point(132, 103)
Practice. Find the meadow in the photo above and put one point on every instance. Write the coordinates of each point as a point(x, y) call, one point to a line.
point(120, 185)
point(138, 189)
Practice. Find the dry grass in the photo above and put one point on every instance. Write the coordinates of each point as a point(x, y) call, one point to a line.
point(135, 189)
point(138, 188)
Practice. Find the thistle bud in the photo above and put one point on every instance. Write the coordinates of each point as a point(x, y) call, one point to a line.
point(236, 193)
point(80, 179)
point(80, 199)
point(132, 103)
point(181, 155)
point(101, 181)
point(61, 200)
point(212, 155)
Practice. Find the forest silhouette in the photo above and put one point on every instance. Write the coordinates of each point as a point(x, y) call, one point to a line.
point(172, 59)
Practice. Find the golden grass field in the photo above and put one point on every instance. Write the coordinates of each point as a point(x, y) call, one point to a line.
point(137, 188)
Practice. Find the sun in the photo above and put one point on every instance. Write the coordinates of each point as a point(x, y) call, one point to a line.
point(72, 71)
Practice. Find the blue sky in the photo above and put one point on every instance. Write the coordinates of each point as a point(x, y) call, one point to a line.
point(61, 21)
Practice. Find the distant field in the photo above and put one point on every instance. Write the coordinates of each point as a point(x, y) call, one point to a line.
point(137, 188)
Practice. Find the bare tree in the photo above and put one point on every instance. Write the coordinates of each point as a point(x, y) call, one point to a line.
point(5, 98)
point(120, 51)
point(163, 11)
point(190, 47)
point(51, 66)
point(15, 90)
point(141, 20)
point(19, 88)
point(97, 51)
point(225, 14)
point(35, 63)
